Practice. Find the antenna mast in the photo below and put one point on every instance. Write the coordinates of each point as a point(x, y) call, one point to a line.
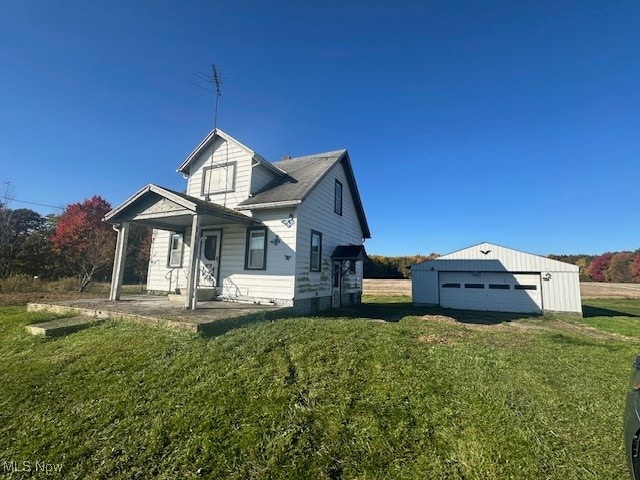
point(217, 81)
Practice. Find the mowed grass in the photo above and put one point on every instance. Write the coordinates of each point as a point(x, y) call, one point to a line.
point(327, 397)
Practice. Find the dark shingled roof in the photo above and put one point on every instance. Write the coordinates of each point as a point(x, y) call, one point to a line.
point(349, 252)
point(127, 209)
point(303, 173)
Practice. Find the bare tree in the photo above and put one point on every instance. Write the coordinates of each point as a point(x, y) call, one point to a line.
point(7, 244)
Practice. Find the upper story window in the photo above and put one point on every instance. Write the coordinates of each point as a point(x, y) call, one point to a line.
point(219, 178)
point(316, 251)
point(337, 199)
point(175, 250)
point(255, 256)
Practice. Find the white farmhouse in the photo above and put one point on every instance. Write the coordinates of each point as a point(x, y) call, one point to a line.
point(491, 277)
point(287, 233)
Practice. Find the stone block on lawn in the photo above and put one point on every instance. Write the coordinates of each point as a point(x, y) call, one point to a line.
point(62, 326)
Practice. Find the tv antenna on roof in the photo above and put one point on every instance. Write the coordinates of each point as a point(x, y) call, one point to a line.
point(213, 80)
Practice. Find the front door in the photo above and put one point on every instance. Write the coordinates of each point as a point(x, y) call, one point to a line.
point(336, 282)
point(209, 259)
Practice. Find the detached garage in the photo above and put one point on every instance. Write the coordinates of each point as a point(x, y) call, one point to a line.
point(495, 278)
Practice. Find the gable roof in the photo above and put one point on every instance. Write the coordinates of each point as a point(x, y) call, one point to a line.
point(303, 174)
point(190, 204)
point(490, 253)
point(210, 138)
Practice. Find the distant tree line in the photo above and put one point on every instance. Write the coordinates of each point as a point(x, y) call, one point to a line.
point(616, 267)
point(380, 266)
point(76, 243)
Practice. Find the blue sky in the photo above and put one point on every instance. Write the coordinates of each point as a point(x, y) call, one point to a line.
point(516, 123)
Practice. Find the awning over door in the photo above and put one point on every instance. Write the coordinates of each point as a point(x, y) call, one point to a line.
point(165, 209)
point(349, 252)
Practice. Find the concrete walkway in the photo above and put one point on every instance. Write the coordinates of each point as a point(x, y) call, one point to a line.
point(213, 318)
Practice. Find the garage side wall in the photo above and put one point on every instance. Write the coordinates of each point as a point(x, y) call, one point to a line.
point(561, 293)
point(424, 287)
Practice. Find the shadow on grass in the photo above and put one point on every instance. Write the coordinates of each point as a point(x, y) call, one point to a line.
point(391, 312)
point(224, 325)
point(394, 312)
point(591, 311)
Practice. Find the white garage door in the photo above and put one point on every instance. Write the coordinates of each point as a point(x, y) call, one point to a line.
point(498, 292)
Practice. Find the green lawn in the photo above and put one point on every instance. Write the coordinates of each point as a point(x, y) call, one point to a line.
point(484, 397)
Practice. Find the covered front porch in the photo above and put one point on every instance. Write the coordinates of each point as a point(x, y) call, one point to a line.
point(211, 318)
point(163, 209)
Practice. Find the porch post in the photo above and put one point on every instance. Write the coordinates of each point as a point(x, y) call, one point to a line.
point(192, 280)
point(118, 261)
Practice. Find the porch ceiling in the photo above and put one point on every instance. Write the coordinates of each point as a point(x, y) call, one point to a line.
point(166, 209)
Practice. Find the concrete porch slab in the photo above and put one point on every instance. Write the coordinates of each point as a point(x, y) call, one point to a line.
point(212, 317)
point(55, 328)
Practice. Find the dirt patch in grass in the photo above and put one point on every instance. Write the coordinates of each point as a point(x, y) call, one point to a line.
point(434, 339)
point(590, 331)
point(440, 318)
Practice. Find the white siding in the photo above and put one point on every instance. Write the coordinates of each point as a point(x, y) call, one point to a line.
point(160, 277)
point(224, 152)
point(316, 213)
point(260, 177)
point(561, 293)
point(424, 287)
point(274, 283)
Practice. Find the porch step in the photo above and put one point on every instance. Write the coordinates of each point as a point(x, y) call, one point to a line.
point(55, 328)
point(204, 295)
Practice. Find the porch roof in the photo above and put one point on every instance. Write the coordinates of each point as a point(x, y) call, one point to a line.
point(165, 209)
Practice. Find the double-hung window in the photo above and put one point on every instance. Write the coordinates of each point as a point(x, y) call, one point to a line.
point(175, 250)
point(255, 257)
point(316, 251)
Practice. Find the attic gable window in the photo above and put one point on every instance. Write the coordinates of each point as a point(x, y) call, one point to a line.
point(337, 198)
point(219, 179)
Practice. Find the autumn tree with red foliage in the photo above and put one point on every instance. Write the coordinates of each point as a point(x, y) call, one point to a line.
point(598, 269)
point(84, 241)
point(620, 268)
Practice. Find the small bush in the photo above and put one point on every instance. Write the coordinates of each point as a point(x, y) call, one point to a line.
point(27, 284)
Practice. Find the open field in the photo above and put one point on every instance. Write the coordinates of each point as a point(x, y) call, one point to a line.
point(52, 292)
point(375, 286)
point(416, 393)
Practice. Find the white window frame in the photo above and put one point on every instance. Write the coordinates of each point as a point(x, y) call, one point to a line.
point(315, 256)
point(247, 254)
point(175, 251)
point(230, 180)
